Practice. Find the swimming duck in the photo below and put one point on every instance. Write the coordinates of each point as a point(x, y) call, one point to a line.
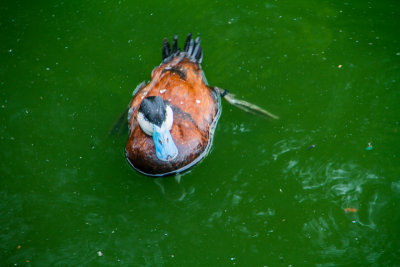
point(173, 117)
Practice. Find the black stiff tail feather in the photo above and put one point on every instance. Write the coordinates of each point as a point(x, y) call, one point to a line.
point(175, 44)
point(197, 53)
point(192, 49)
point(166, 49)
point(187, 43)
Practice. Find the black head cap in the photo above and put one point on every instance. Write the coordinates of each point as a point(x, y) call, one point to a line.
point(153, 109)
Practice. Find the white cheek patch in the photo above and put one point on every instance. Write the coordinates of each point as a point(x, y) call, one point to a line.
point(145, 125)
point(169, 118)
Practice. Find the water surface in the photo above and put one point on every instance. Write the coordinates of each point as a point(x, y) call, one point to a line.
point(300, 191)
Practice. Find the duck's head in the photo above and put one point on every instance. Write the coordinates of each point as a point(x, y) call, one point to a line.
point(155, 118)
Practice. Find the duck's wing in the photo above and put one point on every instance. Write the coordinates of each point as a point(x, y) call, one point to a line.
point(120, 126)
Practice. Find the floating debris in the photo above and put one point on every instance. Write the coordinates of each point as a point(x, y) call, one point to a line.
point(350, 210)
point(369, 147)
point(99, 253)
point(311, 147)
point(340, 66)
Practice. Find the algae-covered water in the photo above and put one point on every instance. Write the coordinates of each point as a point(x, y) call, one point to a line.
point(318, 187)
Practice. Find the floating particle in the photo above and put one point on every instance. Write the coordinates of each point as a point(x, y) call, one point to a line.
point(162, 91)
point(311, 147)
point(197, 101)
point(340, 66)
point(99, 253)
point(369, 147)
point(350, 210)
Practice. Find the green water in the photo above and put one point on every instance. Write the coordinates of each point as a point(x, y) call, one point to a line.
point(264, 196)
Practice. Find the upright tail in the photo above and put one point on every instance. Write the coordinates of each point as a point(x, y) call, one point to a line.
point(192, 49)
point(244, 105)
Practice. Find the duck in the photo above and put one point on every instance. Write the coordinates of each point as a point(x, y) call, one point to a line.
point(172, 118)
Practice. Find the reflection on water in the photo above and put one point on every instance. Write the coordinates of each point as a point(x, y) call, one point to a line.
point(172, 188)
point(344, 201)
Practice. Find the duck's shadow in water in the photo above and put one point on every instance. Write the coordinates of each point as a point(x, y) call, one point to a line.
point(172, 188)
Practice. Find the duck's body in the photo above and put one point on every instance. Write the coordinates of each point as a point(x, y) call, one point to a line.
point(177, 94)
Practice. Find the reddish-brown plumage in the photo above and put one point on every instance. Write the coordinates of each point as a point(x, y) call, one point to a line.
point(196, 107)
